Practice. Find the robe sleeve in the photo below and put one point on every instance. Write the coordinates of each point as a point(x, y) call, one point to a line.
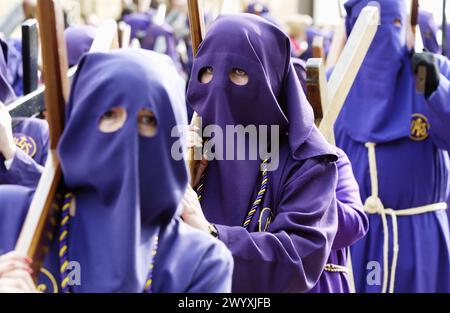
point(15, 201)
point(439, 108)
point(214, 272)
point(353, 222)
point(24, 171)
point(291, 255)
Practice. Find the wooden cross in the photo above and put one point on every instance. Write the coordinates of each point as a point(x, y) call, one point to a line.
point(337, 44)
point(33, 239)
point(331, 96)
point(34, 102)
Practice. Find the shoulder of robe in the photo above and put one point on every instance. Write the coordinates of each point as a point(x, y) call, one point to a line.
point(31, 125)
point(316, 147)
point(14, 204)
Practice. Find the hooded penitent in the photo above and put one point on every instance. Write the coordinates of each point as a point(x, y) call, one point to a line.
point(384, 119)
point(288, 259)
point(139, 23)
point(127, 186)
point(272, 90)
point(79, 39)
point(161, 38)
point(397, 141)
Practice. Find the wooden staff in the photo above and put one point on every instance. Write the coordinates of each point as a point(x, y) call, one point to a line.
point(37, 230)
point(197, 27)
point(316, 87)
point(124, 35)
point(32, 241)
point(30, 56)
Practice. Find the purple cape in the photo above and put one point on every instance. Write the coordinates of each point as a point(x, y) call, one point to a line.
point(288, 242)
point(79, 39)
point(353, 223)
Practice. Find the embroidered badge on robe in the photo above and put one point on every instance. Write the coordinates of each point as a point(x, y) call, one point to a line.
point(47, 282)
point(26, 144)
point(419, 127)
point(265, 218)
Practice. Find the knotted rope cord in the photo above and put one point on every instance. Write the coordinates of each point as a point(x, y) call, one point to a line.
point(374, 205)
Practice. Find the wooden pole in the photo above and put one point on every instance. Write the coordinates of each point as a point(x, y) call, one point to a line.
point(316, 87)
point(317, 47)
point(197, 27)
point(32, 240)
point(124, 35)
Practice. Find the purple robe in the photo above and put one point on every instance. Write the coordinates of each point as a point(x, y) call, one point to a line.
point(79, 39)
point(412, 137)
point(352, 223)
point(120, 217)
point(428, 30)
point(352, 226)
point(300, 69)
point(31, 136)
point(285, 246)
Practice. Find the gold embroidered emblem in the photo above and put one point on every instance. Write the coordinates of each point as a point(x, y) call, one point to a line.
point(47, 282)
point(265, 218)
point(26, 144)
point(419, 127)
